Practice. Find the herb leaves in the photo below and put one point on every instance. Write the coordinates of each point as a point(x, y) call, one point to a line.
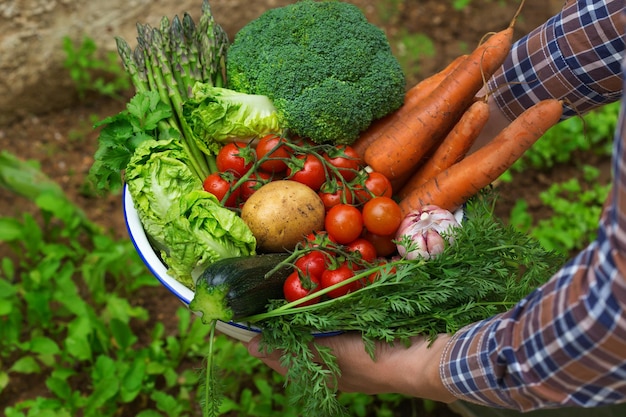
point(487, 271)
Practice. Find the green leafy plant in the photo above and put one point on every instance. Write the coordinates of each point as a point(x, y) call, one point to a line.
point(560, 144)
point(68, 315)
point(576, 207)
point(411, 48)
point(460, 4)
point(90, 72)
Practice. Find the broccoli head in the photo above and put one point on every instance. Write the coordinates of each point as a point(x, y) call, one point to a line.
point(328, 71)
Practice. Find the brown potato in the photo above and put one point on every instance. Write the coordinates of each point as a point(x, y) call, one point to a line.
point(281, 213)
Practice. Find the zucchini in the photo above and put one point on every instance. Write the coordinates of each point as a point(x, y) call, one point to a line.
point(233, 288)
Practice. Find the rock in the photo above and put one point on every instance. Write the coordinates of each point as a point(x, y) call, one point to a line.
point(34, 80)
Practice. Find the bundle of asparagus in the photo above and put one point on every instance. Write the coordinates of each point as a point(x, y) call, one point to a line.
point(170, 59)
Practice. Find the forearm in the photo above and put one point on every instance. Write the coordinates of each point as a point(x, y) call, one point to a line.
point(413, 371)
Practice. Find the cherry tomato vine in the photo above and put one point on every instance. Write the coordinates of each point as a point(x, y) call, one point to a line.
point(361, 216)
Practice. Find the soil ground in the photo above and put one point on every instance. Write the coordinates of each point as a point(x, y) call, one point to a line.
point(64, 142)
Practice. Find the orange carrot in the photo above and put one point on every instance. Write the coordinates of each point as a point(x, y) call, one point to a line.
point(454, 186)
point(412, 98)
point(403, 144)
point(424, 87)
point(453, 147)
point(399, 182)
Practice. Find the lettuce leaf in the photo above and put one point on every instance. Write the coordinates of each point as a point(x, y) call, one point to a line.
point(187, 225)
point(217, 114)
point(201, 231)
point(158, 175)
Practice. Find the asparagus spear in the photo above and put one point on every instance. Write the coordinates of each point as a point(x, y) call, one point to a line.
point(133, 65)
point(192, 48)
point(164, 28)
point(180, 57)
point(213, 42)
point(168, 87)
point(170, 59)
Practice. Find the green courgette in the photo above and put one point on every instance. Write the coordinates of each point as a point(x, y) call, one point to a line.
point(233, 288)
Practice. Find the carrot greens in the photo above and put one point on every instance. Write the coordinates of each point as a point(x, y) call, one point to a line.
point(211, 389)
point(488, 270)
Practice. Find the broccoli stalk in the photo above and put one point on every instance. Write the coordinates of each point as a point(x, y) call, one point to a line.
point(327, 70)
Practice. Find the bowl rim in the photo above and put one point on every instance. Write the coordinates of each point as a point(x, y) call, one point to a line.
point(149, 257)
point(158, 269)
point(146, 252)
point(154, 264)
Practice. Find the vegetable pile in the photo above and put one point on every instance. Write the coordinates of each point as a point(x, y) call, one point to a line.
point(296, 186)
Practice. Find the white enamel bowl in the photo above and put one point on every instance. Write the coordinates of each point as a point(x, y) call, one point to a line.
point(159, 270)
point(138, 236)
point(185, 295)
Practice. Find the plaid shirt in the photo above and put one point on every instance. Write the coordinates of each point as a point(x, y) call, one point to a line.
point(565, 343)
point(575, 56)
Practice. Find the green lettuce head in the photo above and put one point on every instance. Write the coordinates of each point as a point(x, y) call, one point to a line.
point(217, 114)
point(157, 176)
point(201, 231)
point(187, 225)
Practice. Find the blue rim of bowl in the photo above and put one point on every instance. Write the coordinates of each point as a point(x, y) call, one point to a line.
point(159, 270)
point(147, 254)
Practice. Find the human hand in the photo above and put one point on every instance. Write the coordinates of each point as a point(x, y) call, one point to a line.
point(497, 121)
point(412, 371)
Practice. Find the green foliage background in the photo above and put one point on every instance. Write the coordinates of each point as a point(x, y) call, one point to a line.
point(66, 287)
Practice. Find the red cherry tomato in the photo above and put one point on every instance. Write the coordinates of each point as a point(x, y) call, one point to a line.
point(384, 244)
point(374, 276)
point(318, 236)
point(364, 247)
point(219, 186)
point(312, 263)
point(382, 215)
point(346, 160)
point(253, 183)
point(331, 277)
point(334, 193)
point(272, 147)
point(376, 185)
point(312, 172)
point(235, 157)
point(295, 288)
point(344, 223)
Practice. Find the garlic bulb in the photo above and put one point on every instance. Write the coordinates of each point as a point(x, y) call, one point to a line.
point(425, 228)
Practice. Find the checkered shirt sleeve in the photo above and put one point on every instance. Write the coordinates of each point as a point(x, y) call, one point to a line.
point(565, 343)
point(575, 56)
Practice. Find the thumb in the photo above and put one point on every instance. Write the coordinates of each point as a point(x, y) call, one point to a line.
point(254, 347)
point(271, 359)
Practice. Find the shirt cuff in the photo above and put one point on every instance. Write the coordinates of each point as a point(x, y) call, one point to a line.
point(465, 368)
point(575, 56)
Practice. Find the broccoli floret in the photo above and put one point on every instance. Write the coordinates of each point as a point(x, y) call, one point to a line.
point(328, 71)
